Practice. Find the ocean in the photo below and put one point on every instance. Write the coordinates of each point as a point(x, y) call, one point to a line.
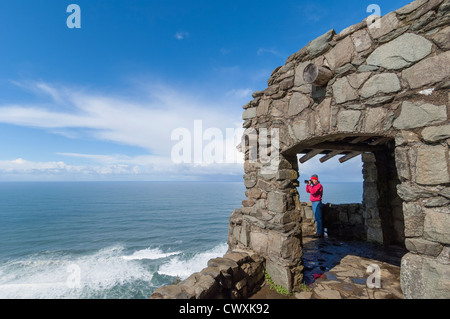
point(116, 240)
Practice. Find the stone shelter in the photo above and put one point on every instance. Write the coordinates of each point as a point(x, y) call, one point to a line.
point(379, 90)
point(376, 90)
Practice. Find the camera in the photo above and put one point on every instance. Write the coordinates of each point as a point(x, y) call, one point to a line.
point(307, 181)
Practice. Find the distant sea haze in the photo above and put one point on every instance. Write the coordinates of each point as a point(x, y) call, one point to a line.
point(121, 240)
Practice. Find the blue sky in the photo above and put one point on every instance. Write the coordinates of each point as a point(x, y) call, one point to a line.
point(100, 102)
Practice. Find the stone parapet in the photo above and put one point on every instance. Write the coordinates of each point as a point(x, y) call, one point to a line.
point(235, 275)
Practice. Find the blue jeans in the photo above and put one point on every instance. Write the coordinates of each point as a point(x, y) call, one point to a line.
point(317, 210)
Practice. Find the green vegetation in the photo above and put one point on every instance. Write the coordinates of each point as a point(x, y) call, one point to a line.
point(278, 288)
point(305, 287)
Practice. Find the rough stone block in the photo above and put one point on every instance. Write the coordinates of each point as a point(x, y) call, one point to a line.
point(361, 40)
point(291, 248)
point(402, 162)
point(422, 246)
point(298, 103)
point(430, 5)
point(348, 120)
point(343, 91)
point(244, 236)
point(263, 108)
point(436, 133)
point(432, 165)
point(401, 52)
point(428, 71)
point(358, 79)
point(380, 83)
point(275, 240)
point(271, 90)
point(341, 54)
point(287, 174)
point(281, 275)
point(320, 45)
point(436, 201)
point(423, 277)
point(249, 113)
point(258, 242)
point(413, 219)
point(409, 192)
point(375, 119)
point(324, 114)
point(437, 224)
point(374, 234)
point(350, 30)
point(276, 202)
point(382, 27)
point(441, 38)
point(299, 130)
point(225, 265)
point(411, 7)
point(419, 115)
point(406, 137)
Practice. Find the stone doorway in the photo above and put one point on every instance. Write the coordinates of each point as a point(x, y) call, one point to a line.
point(371, 232)
point(379, 218)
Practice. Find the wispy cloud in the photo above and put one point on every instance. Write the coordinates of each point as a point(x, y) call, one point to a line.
point(240, 93)
point(146, 122)
point(180, 35)
point(273, 51)
point(22, 166)
point(225, 51)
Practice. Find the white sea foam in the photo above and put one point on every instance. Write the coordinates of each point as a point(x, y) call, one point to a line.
point(97, 275)
point(68, 277)
point(150, 253)
point(178, 266)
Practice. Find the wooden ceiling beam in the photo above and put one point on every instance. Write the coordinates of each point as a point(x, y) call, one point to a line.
point(346, 147)
point(349, 156)
point(360, 139)
point(329, 156)
point(310, 155)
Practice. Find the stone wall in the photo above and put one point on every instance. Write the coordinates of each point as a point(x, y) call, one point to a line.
point(344, 221)
point(235, 275)
point(382, 207)
point(390, 79)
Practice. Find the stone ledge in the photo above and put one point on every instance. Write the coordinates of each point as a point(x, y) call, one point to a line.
point(235, 275)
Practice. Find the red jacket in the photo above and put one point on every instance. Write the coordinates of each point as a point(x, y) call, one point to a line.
point(316, 192)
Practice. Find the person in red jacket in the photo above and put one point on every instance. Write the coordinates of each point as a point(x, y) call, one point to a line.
point(316, 192)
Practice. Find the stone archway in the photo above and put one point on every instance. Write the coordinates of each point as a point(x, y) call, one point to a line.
point(390, 82)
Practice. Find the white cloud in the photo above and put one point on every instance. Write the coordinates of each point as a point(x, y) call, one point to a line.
point(241, 93)
point(146, 123)
point(113, 167)
point(273, 51)
point(181, 35)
